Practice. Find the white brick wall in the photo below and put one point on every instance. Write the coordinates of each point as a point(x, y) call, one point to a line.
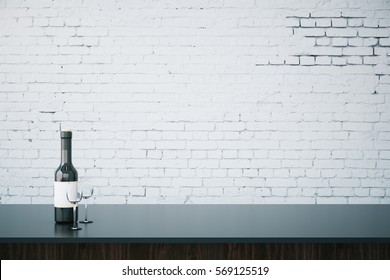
point(210, 101)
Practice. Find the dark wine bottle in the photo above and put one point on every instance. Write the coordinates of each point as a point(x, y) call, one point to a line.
point(65, 181)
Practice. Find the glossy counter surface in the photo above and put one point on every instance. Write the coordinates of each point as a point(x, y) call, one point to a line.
point(200, 224)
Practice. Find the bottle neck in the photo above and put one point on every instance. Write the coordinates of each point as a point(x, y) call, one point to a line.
point(66, 150)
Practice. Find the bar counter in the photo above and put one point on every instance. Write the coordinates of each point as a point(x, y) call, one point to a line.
point(222, 227)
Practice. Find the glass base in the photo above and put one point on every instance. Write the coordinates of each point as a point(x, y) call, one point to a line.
point(86, 222)
point(75, 228)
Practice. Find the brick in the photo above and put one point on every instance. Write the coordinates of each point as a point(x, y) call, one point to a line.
point(341, 32)
point(381, 70)
point(26, 22)
point(384, 22)
point(257, 163)
point(355, 60)
point(263, 192)
point(357, 163)
point(41, 22)
point(307, 60)
point(354, 13)
point(218, 182)
point(76, 41)
point(345, 182)
point(277, 183)
point(343, 192)
point(297, 14)
point(200, 126)
point(328, 173)
point(324, 192)
point(359, 173)
point(307, 22)
point(323, 60)
point(339, 42)
point(230, 126)
point(339, 22)
point(373, 32)
point(311, 32)
point(74, 22)
point(385, 164)
point(369, 183)
point(339, 61)
point(329, 164)
point(358, 51)
point(325, 14)
point(229, 154)
point(377, 192)
point(91, 31)
point(328, 51)
point(57, 22)
point(357, 126)
point(276, 60)
point(384, 42)
point(361, 192)
point(370, 60)
point(323, 22)
point(370, 22)
point(279, 192)
point(383, 88)
point(323, 41)
point(355, 22)
point(292, 60)
point(384, 154)
point(355, 42)
point(292, 22)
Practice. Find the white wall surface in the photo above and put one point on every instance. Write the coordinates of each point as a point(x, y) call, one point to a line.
point(213, 101)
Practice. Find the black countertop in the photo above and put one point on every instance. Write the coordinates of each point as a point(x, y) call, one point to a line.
point(200, 224)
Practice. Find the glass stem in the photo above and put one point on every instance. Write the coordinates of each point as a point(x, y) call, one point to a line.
point(86, 210)
point(74, 216)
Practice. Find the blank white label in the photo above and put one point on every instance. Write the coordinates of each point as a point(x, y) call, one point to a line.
point(60, 191)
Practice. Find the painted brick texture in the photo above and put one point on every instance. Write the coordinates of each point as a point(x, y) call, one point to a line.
point(213, 101)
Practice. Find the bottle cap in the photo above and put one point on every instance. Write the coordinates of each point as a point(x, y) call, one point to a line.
point(66, 133)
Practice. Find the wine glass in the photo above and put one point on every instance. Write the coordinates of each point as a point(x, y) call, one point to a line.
point(74, 201)
point(85, 196)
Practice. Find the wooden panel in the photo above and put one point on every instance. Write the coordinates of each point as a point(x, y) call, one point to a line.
point(195, 251)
